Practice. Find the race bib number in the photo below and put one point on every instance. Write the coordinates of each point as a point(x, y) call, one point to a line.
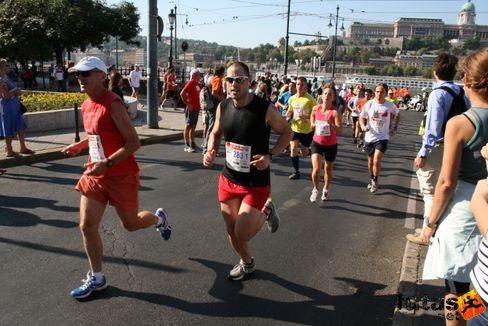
point(95, 148)
point(377, 125)
point(322, 128)
point(238, 157)
point(299, 113)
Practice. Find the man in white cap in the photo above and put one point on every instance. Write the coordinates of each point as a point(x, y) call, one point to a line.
point(190, 95)
point(111, 175)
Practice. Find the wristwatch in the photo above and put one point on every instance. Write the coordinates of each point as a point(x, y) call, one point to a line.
point(109, 163)
point(432, 225)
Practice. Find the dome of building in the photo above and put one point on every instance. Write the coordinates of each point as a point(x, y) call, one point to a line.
point(468, 6)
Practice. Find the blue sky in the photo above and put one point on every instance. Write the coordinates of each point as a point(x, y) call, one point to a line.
point(248, 23)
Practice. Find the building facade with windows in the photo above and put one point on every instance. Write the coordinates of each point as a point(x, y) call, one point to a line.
point(409, 27)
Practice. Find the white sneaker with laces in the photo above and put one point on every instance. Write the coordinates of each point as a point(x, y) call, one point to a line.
point(374, 186)
point(314, 195)
point(273, 219)
point(325, 195)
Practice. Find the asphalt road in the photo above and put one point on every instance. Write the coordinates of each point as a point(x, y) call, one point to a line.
point(333, 263)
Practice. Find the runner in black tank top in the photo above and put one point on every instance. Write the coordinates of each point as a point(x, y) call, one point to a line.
point(246, 126)
point(244, 186)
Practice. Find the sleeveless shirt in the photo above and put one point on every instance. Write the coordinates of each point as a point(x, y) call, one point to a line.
point(97, 121)
point(246, 134)
point(324, 134)
point(473, 166)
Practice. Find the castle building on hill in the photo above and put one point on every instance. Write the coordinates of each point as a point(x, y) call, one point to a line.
point(407, 27)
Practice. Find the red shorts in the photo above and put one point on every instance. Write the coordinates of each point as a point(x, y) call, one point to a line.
point(121, 192)
point(255, 196)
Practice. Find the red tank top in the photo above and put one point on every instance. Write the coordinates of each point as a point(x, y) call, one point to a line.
point(97, 121)
point(324, 134)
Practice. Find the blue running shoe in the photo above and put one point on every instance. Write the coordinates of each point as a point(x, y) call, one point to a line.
point(89, 285)
point(164, 228)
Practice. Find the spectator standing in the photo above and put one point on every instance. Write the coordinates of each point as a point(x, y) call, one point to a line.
point(115, 84)
point(11, 121)
point(60, 80)
point(190, 95)
point(451, 227)
point(429, 157)
point(479, 274)
point(51, 71)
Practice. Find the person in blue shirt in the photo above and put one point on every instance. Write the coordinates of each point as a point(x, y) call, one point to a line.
point(282, 103)
point(429, 158)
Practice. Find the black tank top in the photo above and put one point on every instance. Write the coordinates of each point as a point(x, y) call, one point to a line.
point(246, 126)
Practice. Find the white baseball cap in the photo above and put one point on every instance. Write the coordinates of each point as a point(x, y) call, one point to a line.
point(89, 63)
point(194, 71)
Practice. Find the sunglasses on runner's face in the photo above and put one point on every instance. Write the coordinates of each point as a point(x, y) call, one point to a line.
point(237, 79)
point(84, 73)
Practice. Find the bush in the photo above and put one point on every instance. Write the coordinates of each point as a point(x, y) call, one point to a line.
point(40, 101)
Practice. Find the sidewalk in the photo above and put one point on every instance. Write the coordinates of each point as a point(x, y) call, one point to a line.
point(48, 145)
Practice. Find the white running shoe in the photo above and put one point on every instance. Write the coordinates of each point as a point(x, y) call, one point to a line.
point(325, 195)
point(314, 195)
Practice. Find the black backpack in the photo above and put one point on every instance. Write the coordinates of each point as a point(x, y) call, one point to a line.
point(458, 105)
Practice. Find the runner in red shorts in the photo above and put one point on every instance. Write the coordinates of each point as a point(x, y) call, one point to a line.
point(245, 121)
point(112, 173)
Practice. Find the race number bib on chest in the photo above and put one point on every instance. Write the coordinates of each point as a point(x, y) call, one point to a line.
point(95, 148)
point(238, 157)
point(377, 125)
point(322, 128)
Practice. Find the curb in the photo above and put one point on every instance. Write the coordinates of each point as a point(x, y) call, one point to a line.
point(55, 152)
point(407, 287)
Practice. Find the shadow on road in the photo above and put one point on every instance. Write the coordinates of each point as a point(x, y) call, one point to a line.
point(319, 308)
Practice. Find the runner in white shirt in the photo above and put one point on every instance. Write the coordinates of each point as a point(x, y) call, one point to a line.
point(135, 81)
point(379, 120)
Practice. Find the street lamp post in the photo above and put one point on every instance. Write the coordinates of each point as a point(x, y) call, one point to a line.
point(171, 18)
point(334, 50)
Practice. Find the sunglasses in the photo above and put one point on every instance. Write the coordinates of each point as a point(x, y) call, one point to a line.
point(85, 73)
point(237, 79)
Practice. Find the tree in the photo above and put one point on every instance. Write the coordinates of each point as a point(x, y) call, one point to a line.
point(410, 71)
point(32, 29)
point(472, 44)
point(370, 70)
point(427, 73)
point(392, 69)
